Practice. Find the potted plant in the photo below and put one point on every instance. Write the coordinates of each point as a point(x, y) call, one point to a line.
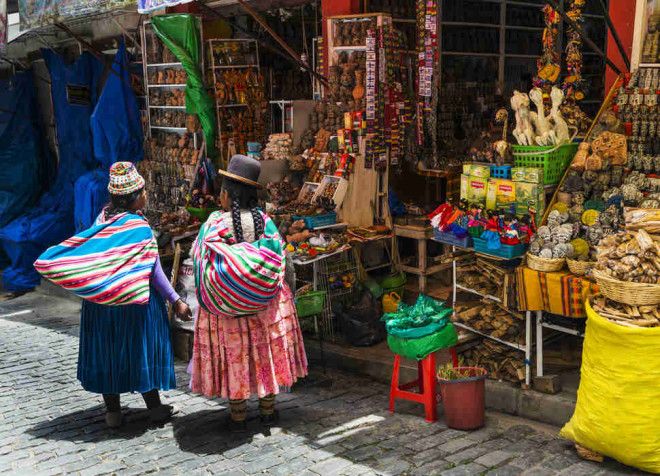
point(462, 390)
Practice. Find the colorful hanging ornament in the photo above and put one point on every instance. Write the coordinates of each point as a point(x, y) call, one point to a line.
point(548, 64)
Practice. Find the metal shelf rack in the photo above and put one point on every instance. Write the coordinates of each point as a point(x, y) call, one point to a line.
point(526, 348)
point(215, 68)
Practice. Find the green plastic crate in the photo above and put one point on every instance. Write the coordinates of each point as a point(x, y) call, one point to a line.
point(553, 162)
point(310, 304)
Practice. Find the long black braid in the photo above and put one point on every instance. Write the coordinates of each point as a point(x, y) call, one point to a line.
point(121, 203)
point(243, 197)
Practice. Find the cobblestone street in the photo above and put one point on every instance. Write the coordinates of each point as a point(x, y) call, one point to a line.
point(49, 425)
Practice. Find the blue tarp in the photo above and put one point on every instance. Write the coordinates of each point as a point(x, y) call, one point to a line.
point(116, 125)
point(74, 94)
point(91, 194)
point(117, 135)
point(22, 155)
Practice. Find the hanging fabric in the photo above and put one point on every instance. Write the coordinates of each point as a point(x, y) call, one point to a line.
point(115, 123)
point(23, 158)
point(74, 96)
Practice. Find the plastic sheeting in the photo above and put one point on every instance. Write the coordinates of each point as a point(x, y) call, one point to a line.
point(35, 13)
point(117, 135)
point(115, 122)
point(91, 194)
point(617, 412)
point(74, 94)
point(21, 153)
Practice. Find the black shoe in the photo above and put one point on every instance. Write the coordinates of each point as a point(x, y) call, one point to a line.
point(162, 413)
point(270, 420)
point(235, 426)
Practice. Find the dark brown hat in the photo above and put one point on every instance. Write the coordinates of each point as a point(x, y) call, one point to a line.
point(243, 169)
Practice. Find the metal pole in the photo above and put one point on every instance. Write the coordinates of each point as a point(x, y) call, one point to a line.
point(528, 348)
point(539, 343)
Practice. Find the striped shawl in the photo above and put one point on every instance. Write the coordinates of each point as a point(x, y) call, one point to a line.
point(109, 263)
point(237, 279)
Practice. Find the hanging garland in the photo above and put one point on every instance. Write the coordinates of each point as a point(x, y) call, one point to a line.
point(547, 65)
point(573, 82)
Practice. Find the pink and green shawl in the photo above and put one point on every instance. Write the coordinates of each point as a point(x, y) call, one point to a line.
point(237, 279)
point(109, 263)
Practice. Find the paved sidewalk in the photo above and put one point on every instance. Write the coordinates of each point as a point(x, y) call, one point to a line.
point(49, 425)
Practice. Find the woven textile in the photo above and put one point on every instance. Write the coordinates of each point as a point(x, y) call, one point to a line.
point(237, 279)
point(109, 263)
point(558, 292)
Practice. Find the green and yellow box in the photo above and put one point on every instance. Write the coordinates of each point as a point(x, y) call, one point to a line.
point(527, 174)
point(477, 170)
point(530, 195)
point(501, 194)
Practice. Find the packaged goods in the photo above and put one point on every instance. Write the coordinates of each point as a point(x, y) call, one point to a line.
point(529, 195)
point(527, 174)
point(501, 194)
point(477, 170)
point(473, 189)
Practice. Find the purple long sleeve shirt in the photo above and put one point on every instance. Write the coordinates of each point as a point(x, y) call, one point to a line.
point(162, 284)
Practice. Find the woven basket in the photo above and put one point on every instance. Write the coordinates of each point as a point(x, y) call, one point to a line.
point(626, 292)
point(544, 264)
point(580, 268)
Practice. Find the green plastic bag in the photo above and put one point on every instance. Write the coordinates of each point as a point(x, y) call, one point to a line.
point(419, 348)
point(180, 33)
point(425, 311)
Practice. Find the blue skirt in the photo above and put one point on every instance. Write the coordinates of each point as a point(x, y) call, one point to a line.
point(125, 348)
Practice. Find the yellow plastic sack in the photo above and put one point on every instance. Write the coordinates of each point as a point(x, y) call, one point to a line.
point(618, 404)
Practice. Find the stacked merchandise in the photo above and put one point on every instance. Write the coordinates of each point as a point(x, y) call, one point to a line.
point(278, 147)
point(613, 169)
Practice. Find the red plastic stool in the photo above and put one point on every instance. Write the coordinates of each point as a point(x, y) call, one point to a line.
point(425, 383)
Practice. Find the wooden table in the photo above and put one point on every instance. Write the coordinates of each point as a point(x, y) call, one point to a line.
point(422, 234)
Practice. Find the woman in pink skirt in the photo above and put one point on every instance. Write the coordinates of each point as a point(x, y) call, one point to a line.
point(237, 356)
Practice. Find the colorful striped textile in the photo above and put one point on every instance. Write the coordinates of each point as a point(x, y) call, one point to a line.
point(558, 292)
point(109, 263)
point(237, 279)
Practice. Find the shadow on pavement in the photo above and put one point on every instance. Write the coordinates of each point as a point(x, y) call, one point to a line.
point(89, 426)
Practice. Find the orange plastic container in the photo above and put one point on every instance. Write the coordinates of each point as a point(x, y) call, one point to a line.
point(463, 399)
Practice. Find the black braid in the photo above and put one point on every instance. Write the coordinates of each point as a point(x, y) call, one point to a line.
point(236, 220)
point(258, 222)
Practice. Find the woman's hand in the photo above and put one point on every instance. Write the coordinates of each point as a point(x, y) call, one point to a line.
point(182, 310)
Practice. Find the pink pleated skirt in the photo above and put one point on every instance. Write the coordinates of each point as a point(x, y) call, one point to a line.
point(236, 358)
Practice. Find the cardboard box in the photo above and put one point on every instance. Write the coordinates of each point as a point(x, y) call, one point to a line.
point(478, 190)
point(530, 195)
point(527, 174)
point(501, 194)
point(477, 170)
point(465, 180)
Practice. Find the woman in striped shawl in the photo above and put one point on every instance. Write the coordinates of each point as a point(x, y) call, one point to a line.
point(124, 331)
point(247, 336)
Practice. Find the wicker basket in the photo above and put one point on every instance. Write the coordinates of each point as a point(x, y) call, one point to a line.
point(580, 268)
point(544, 264)
point(626, 292)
